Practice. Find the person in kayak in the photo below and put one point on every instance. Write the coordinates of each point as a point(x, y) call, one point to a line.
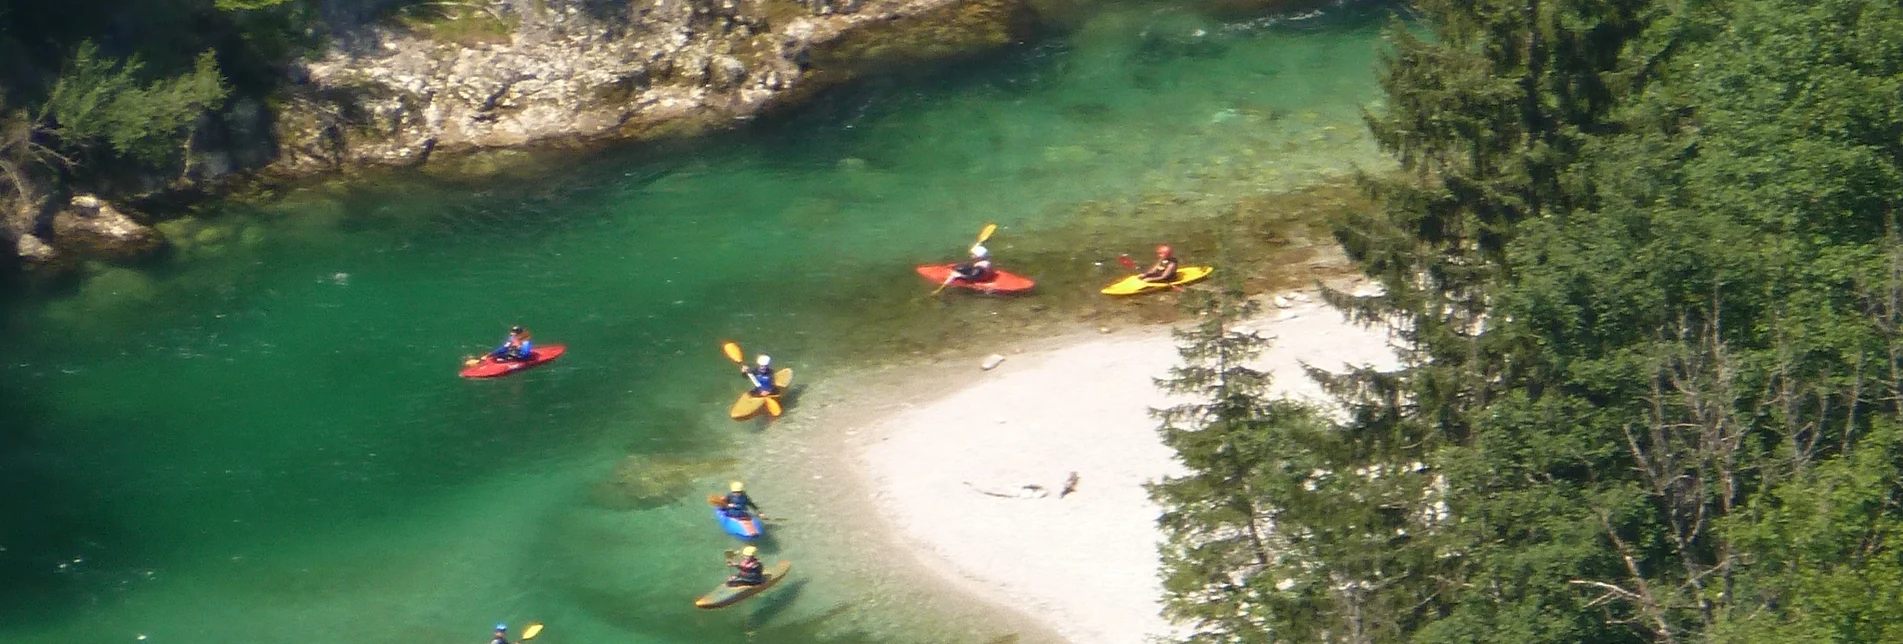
point(738, 504)
point(976, 270)
point(1165, 268)
point(502, 632)
point(515, 347)
point(748, 570)
point(761, 375)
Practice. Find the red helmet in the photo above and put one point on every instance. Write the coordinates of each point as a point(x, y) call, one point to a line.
point(1164, 251)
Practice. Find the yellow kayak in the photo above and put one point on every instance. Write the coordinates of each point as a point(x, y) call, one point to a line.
point(1133, 285)
point(750, 405)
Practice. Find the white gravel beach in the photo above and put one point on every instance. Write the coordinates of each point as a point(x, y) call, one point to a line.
point(973, 479)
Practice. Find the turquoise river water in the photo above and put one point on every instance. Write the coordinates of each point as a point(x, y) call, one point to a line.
point(262, 439)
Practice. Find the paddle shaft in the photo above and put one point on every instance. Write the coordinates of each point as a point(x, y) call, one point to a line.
point(982, 236)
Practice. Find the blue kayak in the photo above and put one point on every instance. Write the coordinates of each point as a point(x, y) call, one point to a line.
point(745, 527)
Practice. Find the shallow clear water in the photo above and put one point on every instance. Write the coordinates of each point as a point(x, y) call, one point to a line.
point(263, 440)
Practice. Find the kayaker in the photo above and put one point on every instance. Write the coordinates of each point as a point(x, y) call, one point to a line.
point(748, 571)
point(1165, 268)
point(502, 630)
point(976, 270)
point(515, 347)
point(761, 375)
point(738, 504)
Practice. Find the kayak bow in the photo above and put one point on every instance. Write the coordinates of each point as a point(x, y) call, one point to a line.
point(488, 367)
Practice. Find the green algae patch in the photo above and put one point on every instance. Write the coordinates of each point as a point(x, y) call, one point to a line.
point(641, 481)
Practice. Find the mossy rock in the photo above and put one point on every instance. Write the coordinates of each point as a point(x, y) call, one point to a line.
point(252, 236)
point(179, 231)
point(956, 30)
point(211, 235)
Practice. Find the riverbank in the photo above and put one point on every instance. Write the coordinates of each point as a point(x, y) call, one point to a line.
point(1022, 487)
point(479, 91)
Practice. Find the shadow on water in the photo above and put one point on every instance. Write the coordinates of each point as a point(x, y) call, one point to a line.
point(775, 601)
point(823, 627)
point(62, 543)
point(791, 397)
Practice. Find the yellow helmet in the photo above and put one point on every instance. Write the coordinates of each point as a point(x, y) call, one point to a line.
point(735, 486)
point(748, 551)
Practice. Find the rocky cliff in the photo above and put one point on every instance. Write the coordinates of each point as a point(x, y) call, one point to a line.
point(568, 70)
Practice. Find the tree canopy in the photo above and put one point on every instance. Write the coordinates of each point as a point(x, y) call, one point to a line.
point(1646, 263)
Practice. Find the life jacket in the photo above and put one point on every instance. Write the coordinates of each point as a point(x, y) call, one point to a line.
point(1165, 267)
point(751, 567)
point(738, 500)
point(977, 270)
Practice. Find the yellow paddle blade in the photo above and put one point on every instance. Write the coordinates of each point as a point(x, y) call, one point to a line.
point(471, 362)
point(986, 234)
point(773, 407)
point(732, 350)
point(530, 632)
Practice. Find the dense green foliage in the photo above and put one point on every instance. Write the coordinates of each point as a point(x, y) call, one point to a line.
point(99, 103)
point(92, 87)
point(1647, 266)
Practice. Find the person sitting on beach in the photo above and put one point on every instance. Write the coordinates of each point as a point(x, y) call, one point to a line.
point(761, 376)
point(1165, 268)
point(515, 347)
point(737, 503)
point(502, 635)
point(748, 571)
point(976, 270)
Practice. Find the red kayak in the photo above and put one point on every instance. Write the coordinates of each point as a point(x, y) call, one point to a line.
point(1000, 282)
point(488, 367)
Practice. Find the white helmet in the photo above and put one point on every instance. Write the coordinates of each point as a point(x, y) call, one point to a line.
point(979, 251)
point(763, 360)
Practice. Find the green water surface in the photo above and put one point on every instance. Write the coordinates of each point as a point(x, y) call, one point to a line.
point(263, 439)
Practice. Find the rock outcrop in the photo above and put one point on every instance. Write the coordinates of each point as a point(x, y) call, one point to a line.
point(576, 70)
point(92, 228)
point(85, 227)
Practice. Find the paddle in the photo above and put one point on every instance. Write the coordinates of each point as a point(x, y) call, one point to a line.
point(982, 236)
point(732, 349)
point(1132, 265)
point(530, 632)
point(471, 361)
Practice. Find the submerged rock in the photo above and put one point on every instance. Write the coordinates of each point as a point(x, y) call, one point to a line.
point(641, 481)
point(115, 287)
point(90, 227)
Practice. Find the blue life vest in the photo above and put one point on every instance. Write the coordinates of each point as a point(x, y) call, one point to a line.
point(738, 501)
